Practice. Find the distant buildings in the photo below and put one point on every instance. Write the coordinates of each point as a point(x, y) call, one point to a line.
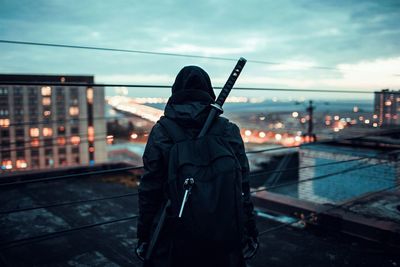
point(45, 126)
point(387, 107)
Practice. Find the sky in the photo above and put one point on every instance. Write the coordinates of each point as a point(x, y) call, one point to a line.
point(357, 40)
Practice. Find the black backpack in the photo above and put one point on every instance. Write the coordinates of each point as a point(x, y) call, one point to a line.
point(207, 167)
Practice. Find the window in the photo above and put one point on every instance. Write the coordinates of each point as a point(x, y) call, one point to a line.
point(48, 142)
point(35, 142)
point(61, 141)
point(4, 123)
point(21, 164)
point(5, 133)
point(46, 113)
point(73, 111)
point(75, 150)
point(46, 91)
point(61, 130)
point(75, 140)
point(74, 130)
point(46, 101)
point(19, 132)
point(62, 150)
point(89, 95)
point(34, 132)
point(34, 152)
point(47, 132)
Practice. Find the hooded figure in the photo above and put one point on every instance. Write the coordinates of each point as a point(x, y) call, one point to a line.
point(188, 106)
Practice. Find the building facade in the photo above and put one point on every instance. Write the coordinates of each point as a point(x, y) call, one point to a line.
point(45, 126)
point(387, 107)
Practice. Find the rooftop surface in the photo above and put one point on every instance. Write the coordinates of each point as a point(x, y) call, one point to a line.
point(69, 230)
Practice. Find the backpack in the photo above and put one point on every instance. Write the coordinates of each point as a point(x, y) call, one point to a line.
point(212, 216)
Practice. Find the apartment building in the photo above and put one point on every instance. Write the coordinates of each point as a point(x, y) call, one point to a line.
point(50, 121)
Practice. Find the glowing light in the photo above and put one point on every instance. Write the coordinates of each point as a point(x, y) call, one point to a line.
point(278, 137)
point(73, 111)
point(361, 118)
point(336, 129)
point(297, 138)
point(295, 114)
point(375, 124)
point(262, 118)
point(6, 165)
point(21, 164)
point(34, 132)
point(91, 149)
point(388, 103)
point(61, 141)
point(355, 109)
point(279, 125)
point(46, 113)
point(134, 136)
point(89, 95)
point(366, 121)
point(336, 118)
point(247, 133)
point(90, 133)
point(47, 131)
point(75, 140)
point(46, 91)
point(110, 139)
point(35, 142)
point(375, 116)
point(4, 123)
point(46, 101)
point(261, 134)
point(303, 120)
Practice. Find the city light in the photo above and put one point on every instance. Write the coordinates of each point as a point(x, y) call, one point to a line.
point(134, 136)
point(295, 114)
point(261, 134)
point(278, 137)
point(247, 133)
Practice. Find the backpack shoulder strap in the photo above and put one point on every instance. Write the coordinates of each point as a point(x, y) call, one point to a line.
point(173, 130)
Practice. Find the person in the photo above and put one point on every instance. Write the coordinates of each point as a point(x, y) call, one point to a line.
point(188, 107)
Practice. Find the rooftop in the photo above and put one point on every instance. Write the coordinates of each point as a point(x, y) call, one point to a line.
point(90, 220)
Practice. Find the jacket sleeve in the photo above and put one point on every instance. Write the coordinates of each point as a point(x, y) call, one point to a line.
point(235, 139)
point(151, 194)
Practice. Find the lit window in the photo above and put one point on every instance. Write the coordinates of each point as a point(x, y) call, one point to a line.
point(34, 132)
point(73, 111)
point(46, 91)
point(388, 103)
point(6, 165)
point(46, 113)
point(89, 95)
point(90, 133)
point(35, 142)
point(91, 149)
point(46, 101)
point(47, 132)
point(4, 123)
point(61, 130)
point(61, 141)
point(75, 140)
point(21, 164)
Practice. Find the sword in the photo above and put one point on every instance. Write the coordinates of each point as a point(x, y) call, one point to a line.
point(217, 107)
point(215, 111)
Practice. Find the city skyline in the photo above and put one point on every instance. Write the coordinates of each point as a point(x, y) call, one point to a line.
point(354, 42)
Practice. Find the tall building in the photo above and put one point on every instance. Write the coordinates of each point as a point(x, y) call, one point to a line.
point(44, 126)
point(387, 107)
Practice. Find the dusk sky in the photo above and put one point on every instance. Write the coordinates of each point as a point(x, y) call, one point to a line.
point(359, 40)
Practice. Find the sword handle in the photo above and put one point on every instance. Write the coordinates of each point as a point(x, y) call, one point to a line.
point(230, 82)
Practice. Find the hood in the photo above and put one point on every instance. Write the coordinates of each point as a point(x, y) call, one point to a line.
point(192, 94)
point(193, 78)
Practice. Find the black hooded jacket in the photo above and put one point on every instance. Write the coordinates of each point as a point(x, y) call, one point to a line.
point(188, 106)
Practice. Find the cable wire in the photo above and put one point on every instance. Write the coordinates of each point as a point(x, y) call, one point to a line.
point(94, 85)
point(146, 52)
point(69, 176)
point(38, 238)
